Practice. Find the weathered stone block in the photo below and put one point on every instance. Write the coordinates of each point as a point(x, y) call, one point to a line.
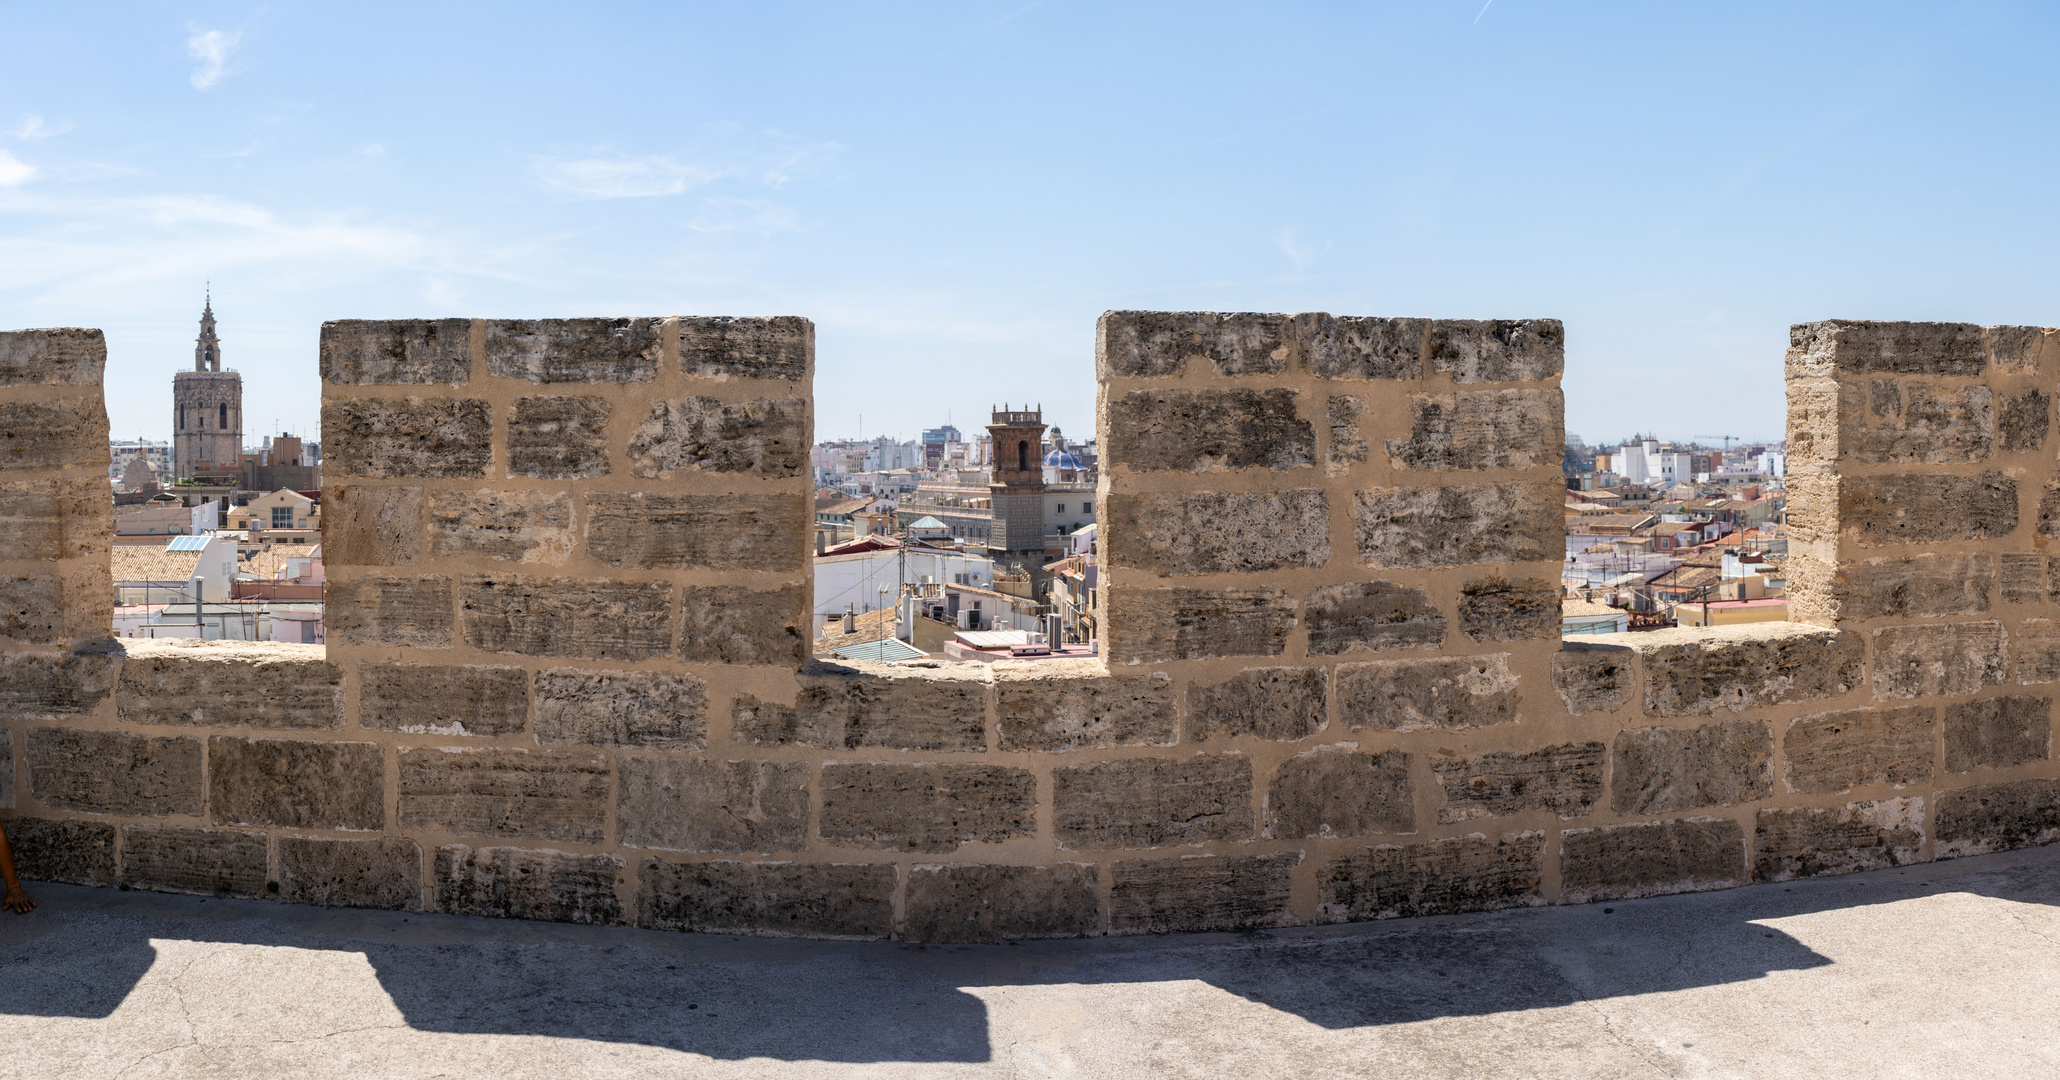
point(1662, 770)
point(1996, 733)
point(519, 526)
point(52, 434)
point(2022, 420)
point(558, 438)
point(1593, 679)
point(705, 532)
point(1376, 615)
point(228, 684)
point(1152, 802)
point(1412, 695)
point(768, 437)
point(2023, 578)
point(419, 699)
point(363, 352)
point(114, 772)
point(1806, 841)
point(541, 795)
point(406, 611)
point(1937, 659)
point(2019, 349)
point(1463, 873)
point(731, 625)
point(849, 900)
point(1414, 528)
point(1153, 344)
point(1347, 446)
point(1927, 508)
point(55, 518)
point(1282, 703)
point(71, 851)
point(1916, 423)
point(532, 616)
point(1362, 347)
point(383, 873)
point(2035, 651)
point(999, 903)
point(63, 356)
point(1334, 792)
point(1498, 350)
point(1202, 430)
point(1996, 817)
point(414, 438)
point(720, 807)
point(44, 686)
point(1214, 532)
point(573, 350)
point(1197, 893)
point(1650, 859)
point(1147, 625)
point(1482, 429)
point(1837, 751)
point(1083, 714)
point(650, 709)
point(367, 525)
point(1743, 673)
point(838, 707)
point(755, 722)
point(32, 609)
point(510, 883)
point(778, 347)
point(1889, 348)
point(201, 861)
point(1509, 609)
point(1925, 584)
point(1565, 779)
point(294, 784)
point(925, 807)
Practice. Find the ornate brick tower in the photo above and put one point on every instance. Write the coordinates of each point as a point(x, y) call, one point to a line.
point(207, 410)
point(1017, 534)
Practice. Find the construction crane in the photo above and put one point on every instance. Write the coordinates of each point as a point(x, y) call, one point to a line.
point(1728, 440)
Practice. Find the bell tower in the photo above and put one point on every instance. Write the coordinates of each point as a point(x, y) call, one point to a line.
point(207, 410)
point(1017, 488)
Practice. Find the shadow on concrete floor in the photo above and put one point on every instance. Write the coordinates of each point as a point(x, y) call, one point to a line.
point(84, 951)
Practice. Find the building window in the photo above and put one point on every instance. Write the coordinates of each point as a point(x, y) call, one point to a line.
point(225, 415)
point(1087, 506)
point(282, 517)
point(1059, 509)
point(1022, 457)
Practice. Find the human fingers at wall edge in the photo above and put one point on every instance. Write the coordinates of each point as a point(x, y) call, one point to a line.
point(18, 902)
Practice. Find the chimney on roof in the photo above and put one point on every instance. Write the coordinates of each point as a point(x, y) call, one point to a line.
point(850, 620)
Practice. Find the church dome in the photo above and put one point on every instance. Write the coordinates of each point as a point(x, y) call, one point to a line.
point(1061, 459)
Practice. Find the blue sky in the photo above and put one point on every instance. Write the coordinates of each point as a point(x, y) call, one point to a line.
point(954, 192)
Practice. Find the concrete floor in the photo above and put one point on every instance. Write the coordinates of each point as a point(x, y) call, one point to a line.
point(1946, 970)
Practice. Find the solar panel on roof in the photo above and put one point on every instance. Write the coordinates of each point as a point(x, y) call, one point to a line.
point(885, 649)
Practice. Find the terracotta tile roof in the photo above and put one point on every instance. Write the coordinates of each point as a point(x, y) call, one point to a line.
point(153, 564)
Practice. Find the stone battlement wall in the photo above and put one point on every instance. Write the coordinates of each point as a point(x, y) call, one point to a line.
point(568, 628)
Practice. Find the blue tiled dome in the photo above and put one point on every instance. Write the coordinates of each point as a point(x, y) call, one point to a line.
point(1061, 459)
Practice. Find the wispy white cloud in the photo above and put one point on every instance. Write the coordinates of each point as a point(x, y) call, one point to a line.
point(373, 150)
point(32, 127)
point(1298, 251)
point(768, 159)
point(13, 170)
point(623, 178)
point(211, 48)
point(724, 214)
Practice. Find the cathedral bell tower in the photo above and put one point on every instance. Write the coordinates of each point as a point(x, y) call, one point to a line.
point(207, 410)
point(1017, 533)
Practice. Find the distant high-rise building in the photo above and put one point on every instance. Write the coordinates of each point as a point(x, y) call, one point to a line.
point(207, 410)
